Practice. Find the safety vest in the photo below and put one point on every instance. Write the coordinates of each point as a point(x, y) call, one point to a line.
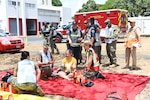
point(131, 38)
point(74, 37)
point(95, 66)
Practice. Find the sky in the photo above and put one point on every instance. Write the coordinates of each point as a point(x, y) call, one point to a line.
point(75, 5)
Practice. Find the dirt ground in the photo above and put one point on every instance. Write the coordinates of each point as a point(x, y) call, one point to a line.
point(9, 60)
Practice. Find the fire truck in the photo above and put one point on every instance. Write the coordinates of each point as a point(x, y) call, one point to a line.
point(117, 17)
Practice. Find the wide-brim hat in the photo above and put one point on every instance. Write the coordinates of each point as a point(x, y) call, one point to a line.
point(86, 42)
point(45, 45)
point(132, 21)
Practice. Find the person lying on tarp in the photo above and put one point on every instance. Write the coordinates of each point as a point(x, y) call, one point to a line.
point(92, 64)
point(26, 76)
point(68, 67)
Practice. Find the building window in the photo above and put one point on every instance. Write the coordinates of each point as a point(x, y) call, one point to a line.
point(13, 3)
point(42, 2)
point(29, 5)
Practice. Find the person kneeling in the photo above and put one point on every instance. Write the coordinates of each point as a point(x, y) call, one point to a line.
point(26, 76)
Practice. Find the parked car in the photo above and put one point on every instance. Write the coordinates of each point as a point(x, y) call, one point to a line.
point(10, 43)
point(62, 33)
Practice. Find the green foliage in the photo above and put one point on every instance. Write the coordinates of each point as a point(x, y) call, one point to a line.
point(134, 7)
point(90, 5)
point(56, 3)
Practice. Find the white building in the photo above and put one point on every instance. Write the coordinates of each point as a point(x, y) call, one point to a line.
point(29, 15)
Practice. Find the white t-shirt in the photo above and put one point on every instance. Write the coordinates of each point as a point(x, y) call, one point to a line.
point(26, 71)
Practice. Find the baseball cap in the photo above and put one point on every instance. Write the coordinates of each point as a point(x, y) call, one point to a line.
point(74, 23)
point(107, 20)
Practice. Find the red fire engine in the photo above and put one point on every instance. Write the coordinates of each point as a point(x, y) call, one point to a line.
point(117, 17)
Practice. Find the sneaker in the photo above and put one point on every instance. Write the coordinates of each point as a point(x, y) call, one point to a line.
point(134, 68)
point(106, 65)
point(57, 53)
point(116, 65)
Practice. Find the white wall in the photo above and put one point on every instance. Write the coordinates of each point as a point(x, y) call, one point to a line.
point(3, 18)
point(143, 23)
point(10, 11)
point(66, 16)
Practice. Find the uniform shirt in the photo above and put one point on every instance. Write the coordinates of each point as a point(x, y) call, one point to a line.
point(68, 64)
point(133, 33)
point(97, 41)
point(112, 33)
point(108, 34)
point(26, 71)
point(45, 28)
point(74, 36)
point(90, 32)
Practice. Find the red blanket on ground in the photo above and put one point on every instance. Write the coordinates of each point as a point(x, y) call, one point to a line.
point(122, 84)
point(127, 85)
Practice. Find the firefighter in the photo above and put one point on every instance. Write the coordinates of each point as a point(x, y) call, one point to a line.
point(97, 41)
point(75, 38)
point(111, 32)
point(132, 42)
point(45, 32)
point(52, 39)
point(89, 33)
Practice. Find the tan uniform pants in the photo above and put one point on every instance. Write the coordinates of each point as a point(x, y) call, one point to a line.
point(132, 52)
point(22, 87)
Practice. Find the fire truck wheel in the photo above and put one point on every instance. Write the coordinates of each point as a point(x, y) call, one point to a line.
point(58, 39)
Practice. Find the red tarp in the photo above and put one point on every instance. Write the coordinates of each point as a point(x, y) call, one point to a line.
point(123, 84)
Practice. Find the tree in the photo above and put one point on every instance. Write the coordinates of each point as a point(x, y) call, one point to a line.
point(134, 7)
point(56, 3)
point(90, 5)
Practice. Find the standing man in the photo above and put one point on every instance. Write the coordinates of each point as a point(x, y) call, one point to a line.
point(52, 37)
point(75, 38)
point(45, 32)
point(97, 41)
point(132, 42)
point(89, 33)
point(111, 32)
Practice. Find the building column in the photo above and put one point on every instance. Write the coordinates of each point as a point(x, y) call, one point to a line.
point(24, 27)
